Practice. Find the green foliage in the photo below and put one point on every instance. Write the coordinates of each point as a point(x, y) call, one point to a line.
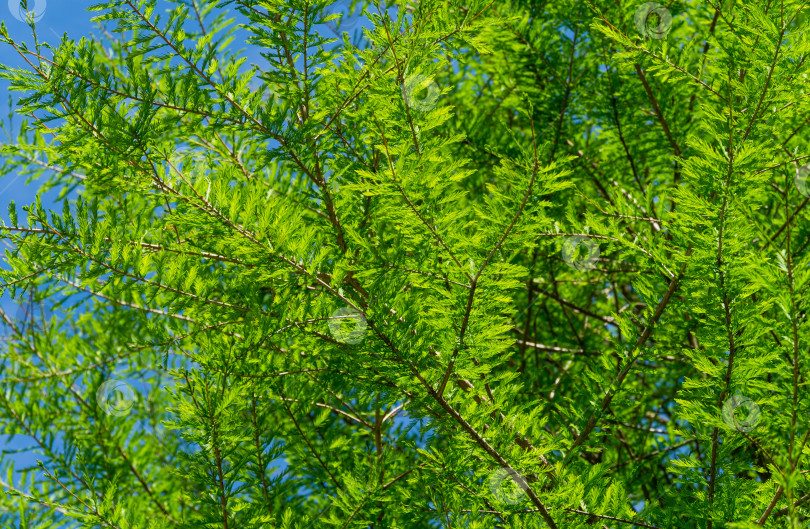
point(524, 264)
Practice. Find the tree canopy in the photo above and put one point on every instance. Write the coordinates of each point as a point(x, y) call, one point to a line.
point(448, 264)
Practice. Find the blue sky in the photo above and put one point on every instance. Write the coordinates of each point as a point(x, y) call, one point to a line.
point(56, 18)
point(59, 17)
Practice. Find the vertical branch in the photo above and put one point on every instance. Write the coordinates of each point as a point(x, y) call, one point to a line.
point(218, 457)
point(726, 303)
point(258, 446)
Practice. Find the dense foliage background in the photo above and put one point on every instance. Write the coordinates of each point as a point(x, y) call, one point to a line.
point(472, 264)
